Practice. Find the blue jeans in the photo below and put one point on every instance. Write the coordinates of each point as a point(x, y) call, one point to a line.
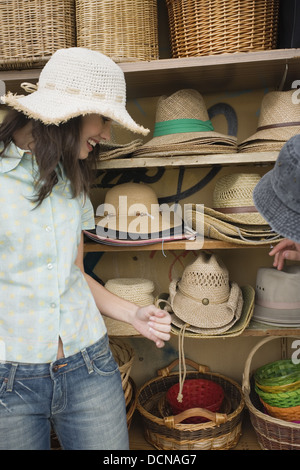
point(80, 396)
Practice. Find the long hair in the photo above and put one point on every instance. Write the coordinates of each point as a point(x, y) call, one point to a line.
point(53, 144)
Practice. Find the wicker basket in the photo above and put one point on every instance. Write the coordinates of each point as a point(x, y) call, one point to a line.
point(169, 433)
point(123, 30)
point(272, 433)
point(32, 30)
point(206, 27)
point(124, 357)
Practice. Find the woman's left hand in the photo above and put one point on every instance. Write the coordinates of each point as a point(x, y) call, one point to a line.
point(153, 323)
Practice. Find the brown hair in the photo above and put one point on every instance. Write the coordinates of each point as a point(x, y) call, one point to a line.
point(53, 144)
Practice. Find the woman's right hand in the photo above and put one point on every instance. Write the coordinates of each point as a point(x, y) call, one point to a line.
point(285, 249)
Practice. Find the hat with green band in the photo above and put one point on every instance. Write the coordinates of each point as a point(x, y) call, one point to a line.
point(182, 123)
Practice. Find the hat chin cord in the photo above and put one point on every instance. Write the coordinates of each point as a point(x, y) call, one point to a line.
point(182, 364)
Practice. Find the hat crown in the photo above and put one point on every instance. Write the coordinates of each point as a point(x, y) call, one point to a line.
point(207, 277)
point(67, 69)
point(235, 190)
point(127, 196)
point(184, 104)
point(278, 286)
point(277, 108)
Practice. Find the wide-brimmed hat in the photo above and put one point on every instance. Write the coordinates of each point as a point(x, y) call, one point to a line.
point(233, 199)
point(277, 296)
point(277, 195)
point(109, 150)
point(131, 211)
point(136, 290)
point(77, 81)
point(211, 227)
point(182, 123)
point(204, 296)
point(279, 120)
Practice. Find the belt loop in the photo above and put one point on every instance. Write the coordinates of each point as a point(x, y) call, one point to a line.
point(87, 361)
point(11, 377)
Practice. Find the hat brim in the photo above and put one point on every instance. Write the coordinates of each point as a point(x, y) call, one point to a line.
point(276, 134)
point(280, 217)
point(49, 107)
point(277, 317)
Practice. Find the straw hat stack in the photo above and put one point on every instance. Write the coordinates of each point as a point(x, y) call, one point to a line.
point(234, 217)
point(279, 120)
point(205, 302)
point(183, 127)
point(136, 290)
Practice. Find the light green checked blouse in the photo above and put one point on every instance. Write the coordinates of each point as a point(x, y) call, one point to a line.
point(43, 294)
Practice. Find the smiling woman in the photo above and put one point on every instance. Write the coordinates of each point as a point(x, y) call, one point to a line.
point(58, 368)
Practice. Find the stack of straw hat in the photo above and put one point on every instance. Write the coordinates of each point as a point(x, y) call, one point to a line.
point(279, 120)
point(136, 290)
point(183, 127)
point(205, 302)
point(234, 217)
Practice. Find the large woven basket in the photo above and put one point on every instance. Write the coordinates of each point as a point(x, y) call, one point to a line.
point(170, 433)
point(123, 30)
point(32, 30)
point(272, 433)
point(206, 27)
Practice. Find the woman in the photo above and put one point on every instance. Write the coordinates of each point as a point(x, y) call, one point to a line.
point(56, 366)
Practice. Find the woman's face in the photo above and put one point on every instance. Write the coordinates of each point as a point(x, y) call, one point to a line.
point(95, 128)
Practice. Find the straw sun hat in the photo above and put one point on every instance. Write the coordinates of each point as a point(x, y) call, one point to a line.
point(77, 81)
point(204, 297)
point(131, 211)
point(278, 121)
point(182, 124)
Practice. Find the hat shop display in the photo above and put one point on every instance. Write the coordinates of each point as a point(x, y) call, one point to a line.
point(136, 290)
point(131, 215)
point(204, 302)
point(182, 126)
point(277, 296)
point(234, 217)
point(279, 120)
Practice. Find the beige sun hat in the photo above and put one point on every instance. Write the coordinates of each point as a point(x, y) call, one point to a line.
point(77, 81)
point(181, 122)
point(204, 296)
point(131, 211)
point(136, 290)
point(279, 120)
point(233, 199)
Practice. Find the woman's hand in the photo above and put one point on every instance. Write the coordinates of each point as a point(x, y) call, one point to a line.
point(285, 249)
point(153, 323)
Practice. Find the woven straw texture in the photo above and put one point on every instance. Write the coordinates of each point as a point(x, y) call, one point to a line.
point(125, 31)
point(168, 433)
point(32, 30)
point(273, 433)
point(201, 27)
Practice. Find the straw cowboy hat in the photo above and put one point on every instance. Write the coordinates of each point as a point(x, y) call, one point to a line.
point(277, 296)
point(182, 123)
point(277, 195)
point(279, 120)
point(136, 290)
point(131, 211)
point(77, 81)
point(204, 297)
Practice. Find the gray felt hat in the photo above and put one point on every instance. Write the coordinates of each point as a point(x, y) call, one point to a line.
point(277, 195)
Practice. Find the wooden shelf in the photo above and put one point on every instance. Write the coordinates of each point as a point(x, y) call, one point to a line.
point(231, 72)
point(233, 159)
point(90, 246)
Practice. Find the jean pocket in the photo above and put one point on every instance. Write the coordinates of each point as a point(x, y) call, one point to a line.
point(105, 364)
